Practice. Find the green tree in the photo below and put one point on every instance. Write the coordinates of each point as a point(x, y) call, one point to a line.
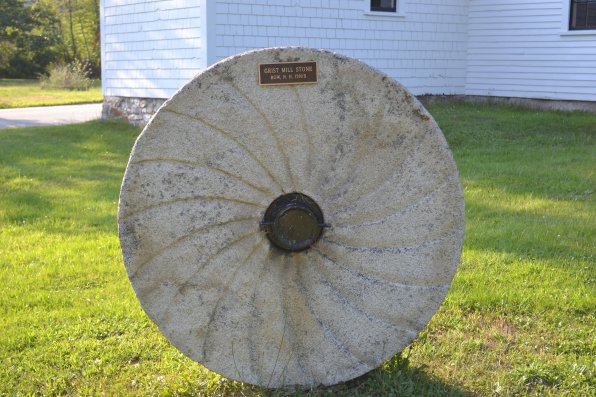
point(79, 30)
point(36, 33)
point(29, 38)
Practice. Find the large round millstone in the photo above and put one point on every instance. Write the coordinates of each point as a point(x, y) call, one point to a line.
point(291, 234)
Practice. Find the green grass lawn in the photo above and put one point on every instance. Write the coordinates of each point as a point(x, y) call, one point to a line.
point(17, 93)
point(518, 320)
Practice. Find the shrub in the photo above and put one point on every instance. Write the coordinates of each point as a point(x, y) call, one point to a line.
point(71, 76)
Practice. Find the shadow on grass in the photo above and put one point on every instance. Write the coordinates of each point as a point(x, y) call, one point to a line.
point(395, 377)
point(526, 234)
point(521, 151)
point(61, 169)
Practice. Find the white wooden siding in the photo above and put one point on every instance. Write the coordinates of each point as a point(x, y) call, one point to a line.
point(522, 49)
point(151, 48)
point(508, 48)
point(425, 49)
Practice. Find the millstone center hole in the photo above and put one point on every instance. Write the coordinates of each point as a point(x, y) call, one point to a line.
point(293, 222)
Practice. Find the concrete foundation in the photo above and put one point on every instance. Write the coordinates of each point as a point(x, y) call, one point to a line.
point(138, 111)
point(529, 103)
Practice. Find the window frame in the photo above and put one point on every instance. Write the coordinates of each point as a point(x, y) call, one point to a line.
point(565, 22)
point(400, 10)
point(382, 9)
point(570, 19)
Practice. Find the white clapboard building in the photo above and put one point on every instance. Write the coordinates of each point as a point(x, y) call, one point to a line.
point(535, 49)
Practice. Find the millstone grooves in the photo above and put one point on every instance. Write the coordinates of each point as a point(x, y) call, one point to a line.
point(214, 158)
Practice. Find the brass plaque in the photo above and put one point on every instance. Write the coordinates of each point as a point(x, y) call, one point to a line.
point(283, 73)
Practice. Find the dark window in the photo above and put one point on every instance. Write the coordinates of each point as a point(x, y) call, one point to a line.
point(582, 15)
point(382, 5)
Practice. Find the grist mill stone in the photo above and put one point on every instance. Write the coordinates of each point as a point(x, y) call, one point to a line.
point(291, 217)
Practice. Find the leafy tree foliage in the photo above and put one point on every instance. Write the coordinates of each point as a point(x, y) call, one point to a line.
point(37, 33)
point(79, 31)
point(29, 38)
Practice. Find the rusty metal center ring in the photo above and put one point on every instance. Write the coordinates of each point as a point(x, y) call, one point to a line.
point(293, 222)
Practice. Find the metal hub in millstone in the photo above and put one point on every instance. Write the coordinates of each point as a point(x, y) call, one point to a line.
point(293, 222)
point(221, 218)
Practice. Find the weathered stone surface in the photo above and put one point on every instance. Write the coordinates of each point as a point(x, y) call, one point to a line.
point(205, 169)
point(137, 111)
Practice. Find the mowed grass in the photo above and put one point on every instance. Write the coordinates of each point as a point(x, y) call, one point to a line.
point(518, 320)
point(18, 93)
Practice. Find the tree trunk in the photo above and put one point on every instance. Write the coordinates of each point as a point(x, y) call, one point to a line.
point(72, 35)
